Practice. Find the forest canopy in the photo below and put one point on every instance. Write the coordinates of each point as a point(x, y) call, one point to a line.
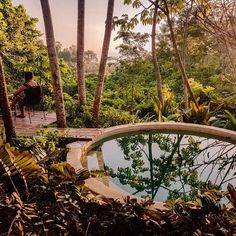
point(205, 50)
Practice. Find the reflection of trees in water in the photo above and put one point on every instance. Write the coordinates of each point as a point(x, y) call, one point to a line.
point(178, 164)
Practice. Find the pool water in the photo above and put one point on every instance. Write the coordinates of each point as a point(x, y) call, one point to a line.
point(165, 166)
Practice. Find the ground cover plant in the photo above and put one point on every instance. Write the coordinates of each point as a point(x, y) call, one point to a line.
point(45, 196)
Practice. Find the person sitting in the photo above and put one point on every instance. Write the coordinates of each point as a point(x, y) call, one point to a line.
point(21, 94)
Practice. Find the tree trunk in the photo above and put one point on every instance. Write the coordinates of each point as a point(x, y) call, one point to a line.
point(185, 48)
point(184, 55)
point(80, 54)
point(103, 61)
point(5, 106)
point(157, 74)
point(53, 61)
point(178, 57)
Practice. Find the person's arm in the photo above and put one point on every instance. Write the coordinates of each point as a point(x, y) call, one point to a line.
point(19, 90)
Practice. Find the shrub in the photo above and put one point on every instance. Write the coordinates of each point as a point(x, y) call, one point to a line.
point(111, 117)
point(82, 118)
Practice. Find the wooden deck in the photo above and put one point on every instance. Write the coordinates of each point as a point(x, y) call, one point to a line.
point(24, 128)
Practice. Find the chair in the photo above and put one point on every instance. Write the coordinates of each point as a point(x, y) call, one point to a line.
point(33, 97)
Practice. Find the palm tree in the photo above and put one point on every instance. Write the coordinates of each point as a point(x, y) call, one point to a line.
point(103, 61)
point(80, 54)
point(5, 106)
point(157, 73)
point(53, 61)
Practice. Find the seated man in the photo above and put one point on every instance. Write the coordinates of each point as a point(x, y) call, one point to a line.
point(20, 94)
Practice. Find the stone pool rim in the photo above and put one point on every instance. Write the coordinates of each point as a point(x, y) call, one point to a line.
point(162, 127)
point(96, 186)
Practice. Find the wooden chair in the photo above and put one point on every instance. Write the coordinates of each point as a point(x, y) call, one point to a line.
point(33, 98)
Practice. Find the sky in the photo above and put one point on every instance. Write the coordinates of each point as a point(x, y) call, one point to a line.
point(64, 16)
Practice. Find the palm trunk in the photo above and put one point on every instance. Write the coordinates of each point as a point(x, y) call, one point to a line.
point(5, 107)
point(103, 61)
point(157, 74)
point(179, 60)
point(53, 61)
point(80, 54)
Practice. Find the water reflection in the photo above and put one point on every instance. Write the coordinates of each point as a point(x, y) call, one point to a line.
point(163, 166)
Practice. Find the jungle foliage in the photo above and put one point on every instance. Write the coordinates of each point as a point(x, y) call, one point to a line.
point(45, 196)
point(129, 89)
point(41, 194)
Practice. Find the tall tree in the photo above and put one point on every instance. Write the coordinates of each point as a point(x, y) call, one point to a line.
point(157, 73)
point(218, 18)
point(132, 47)
point(58, 47)
point(103, 61)
point(146, 17)
point(5, 106)
point(90, 57)
point(186, 85)
point(80, 54)
point(187, 11)
point(53, 61)
point(17, 28)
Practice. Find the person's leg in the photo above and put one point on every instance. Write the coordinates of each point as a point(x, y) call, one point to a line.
point(22, 110)
point(14, 101)
point(21, 103)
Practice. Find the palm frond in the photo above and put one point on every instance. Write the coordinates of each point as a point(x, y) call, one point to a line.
point(64, 171)
point(16, 163)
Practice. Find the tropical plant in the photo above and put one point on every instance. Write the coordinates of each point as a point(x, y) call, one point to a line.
point(199, 114)
point(24, 201)
point(231, 123)
point(164, 111)
point(190, 218)
point(227, 121)
point(17, 163)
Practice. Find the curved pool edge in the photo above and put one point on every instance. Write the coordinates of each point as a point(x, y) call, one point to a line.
point(74, 159)
point(76, 154)
point(165, 127)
